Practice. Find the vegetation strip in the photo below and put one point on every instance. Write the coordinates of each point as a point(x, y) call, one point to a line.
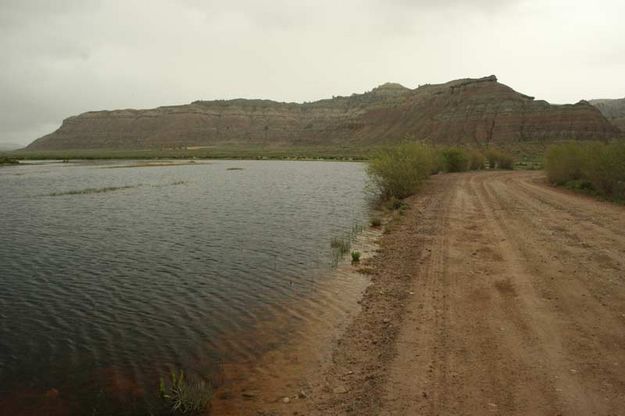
point(590, 167)
point(399, 172)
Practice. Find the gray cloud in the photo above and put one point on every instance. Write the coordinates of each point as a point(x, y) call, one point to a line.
point(65, 57)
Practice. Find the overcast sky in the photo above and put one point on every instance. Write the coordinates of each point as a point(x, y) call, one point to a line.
point(64, 57)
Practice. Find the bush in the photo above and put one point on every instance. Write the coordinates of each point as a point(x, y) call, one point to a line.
point(477, 161)
point(499, 159)
point(604, 167)
point(563, 163)
point(355, 256)
point(398, 172)
point(455, 159)
point(588, 166)
point(376, 222)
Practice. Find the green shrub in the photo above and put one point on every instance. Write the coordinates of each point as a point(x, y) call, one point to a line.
point(399, 171)
point(376, 222)
point(499, 159)
point(182, 397)
point(477, 160)
point(355, 256)
point(455, 159)
point(591, 166)
point(604, 167)
point(563, 163)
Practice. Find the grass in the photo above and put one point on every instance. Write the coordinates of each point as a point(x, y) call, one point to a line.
point(183, 397)
point(591, 167)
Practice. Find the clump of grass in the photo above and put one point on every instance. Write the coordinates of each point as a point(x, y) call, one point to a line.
point(183, 397)
point(376, 222)
point(355, 256)
point(590, 167)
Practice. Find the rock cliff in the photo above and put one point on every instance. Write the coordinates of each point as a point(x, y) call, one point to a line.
point(613, 110)
point(462, 111)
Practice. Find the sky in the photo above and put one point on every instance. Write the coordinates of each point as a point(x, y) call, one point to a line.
point(64, 57)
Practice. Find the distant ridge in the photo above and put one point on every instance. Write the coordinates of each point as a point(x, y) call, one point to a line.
point(465, 111)
point(613, 110)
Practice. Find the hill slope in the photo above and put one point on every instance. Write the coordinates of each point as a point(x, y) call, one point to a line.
point(613, 110)
point(462, 111)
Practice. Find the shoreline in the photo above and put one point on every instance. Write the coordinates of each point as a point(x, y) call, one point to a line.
point(481, 301)
point(285, 378)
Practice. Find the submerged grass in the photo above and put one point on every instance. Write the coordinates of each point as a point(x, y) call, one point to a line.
point(111, 189)
point(342, 245)
point(93, 190)
point(152, 165)
point(185, 397)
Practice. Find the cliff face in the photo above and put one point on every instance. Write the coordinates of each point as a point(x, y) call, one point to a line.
point(462, 111)
point(613, 110)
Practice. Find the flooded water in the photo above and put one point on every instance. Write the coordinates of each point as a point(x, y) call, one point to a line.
point(111, 276)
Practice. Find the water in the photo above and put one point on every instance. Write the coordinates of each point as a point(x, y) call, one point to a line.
point(112, 276)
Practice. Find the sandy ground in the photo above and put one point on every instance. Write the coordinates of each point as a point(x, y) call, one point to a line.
point(492, 294)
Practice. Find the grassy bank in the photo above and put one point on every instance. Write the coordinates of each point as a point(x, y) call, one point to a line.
point(590, 167)
point(526, 154)
point(398, 172)
point(217, 152)
point(4, 160)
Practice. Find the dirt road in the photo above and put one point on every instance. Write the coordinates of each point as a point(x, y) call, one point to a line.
point(493, 294)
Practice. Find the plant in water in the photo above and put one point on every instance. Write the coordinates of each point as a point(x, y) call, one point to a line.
point(341, 245)
point(183, 397)
point(355, 256)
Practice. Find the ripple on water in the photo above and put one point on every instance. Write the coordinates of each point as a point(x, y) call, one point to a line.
point(103, 292)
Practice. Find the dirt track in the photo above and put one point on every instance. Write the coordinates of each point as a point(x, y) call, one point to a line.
point(495, 294)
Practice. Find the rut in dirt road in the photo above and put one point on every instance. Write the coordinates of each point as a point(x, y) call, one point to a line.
point(517, 307)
